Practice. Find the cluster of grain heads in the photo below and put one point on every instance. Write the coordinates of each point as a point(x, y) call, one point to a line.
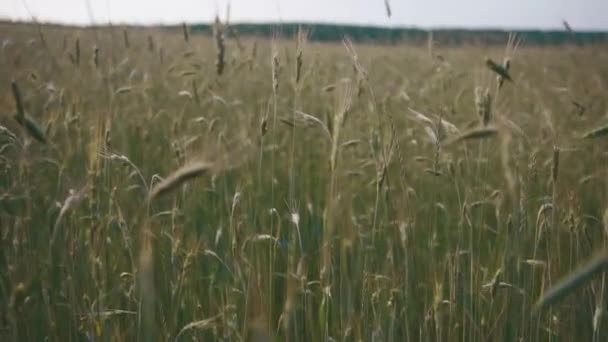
point(218, 35)
point(483, 104)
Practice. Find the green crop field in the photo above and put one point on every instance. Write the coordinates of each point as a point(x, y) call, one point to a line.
point(160, 185)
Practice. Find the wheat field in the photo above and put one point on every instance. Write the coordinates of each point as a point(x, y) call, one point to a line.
point(160, 184)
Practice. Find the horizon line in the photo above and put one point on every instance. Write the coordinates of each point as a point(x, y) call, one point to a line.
point(7, 20)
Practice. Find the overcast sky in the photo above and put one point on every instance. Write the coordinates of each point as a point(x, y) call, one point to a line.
point(508, 14)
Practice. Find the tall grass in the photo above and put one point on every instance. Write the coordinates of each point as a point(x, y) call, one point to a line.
point(235, 189)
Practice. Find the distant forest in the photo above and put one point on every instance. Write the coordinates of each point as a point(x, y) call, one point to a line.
point(390, 35)
point(327, 32)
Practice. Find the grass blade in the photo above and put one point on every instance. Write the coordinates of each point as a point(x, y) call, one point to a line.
point(574, 280)
point(596, 133)
point(32, 127)
point(481, 133)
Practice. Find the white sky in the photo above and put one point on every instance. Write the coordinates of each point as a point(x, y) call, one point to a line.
point(507, 14)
